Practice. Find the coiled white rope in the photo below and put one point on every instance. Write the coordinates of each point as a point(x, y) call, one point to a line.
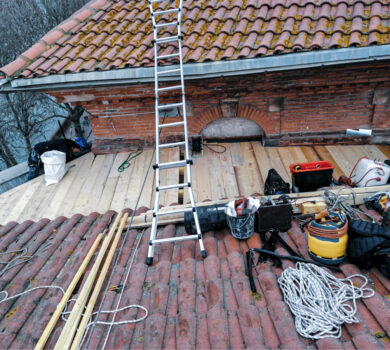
point(321, 302)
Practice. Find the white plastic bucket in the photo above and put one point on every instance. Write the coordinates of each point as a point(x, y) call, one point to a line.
point(371, 173)
point(54, 163)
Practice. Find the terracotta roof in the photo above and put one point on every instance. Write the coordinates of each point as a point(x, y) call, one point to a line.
point(192, 302)
point(111, 34)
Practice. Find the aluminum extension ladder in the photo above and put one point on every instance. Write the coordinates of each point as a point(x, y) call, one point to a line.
point(172, 36)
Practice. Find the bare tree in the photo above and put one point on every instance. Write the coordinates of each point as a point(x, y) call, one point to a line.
point(24, 115)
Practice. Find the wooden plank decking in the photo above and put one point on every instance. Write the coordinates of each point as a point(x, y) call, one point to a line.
point(93, 183)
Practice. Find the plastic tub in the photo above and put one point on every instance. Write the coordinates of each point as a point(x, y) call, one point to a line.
point(309, 176)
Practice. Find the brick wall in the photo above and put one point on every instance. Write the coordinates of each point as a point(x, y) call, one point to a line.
point(292, 107)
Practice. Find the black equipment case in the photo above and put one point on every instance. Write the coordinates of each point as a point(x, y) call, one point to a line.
point(274, 214)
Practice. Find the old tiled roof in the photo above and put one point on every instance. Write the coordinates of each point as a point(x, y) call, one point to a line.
point(192, 302)
point(111, 34)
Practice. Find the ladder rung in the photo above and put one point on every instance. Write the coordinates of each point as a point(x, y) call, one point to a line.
point(170, 105)
point(168, 71)
point(167, 39)
point(168, 125)
point(172, 144)
point(171, 187)
point(165, 12)
point(174, 239)
point(163, 57)
point(173, 87)
point(162, 25)
point(176, 211)
point(177, 164)
point(155, 1)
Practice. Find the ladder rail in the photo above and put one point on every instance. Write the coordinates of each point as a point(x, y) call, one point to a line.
point(159, 39)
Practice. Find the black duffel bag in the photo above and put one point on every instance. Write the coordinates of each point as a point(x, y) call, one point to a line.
point(369, 245)
point(211, 217)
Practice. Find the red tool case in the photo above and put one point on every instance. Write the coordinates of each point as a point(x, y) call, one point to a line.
point(310, 176)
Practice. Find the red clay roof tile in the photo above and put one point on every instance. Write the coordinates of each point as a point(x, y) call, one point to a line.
point(213, 30)
point(192, 302)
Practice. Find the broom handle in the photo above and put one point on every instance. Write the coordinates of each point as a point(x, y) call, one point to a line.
point(53, 320)
point(98, 286)
point(65, 339)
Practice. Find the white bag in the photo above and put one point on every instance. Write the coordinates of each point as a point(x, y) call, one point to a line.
point(54, 163)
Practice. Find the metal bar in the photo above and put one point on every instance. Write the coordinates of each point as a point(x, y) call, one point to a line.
point(172, 144)
point(169, 125)
point(164, 12)
point(167, 39)
point(168, 71)
point(168, 88)
point(162, 25)
point(170, 105)
point(163, 57)
point(169, 212)
point(174, 239)
point(169, 165)
point(170, 187)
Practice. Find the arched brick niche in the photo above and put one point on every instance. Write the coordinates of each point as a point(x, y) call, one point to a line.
point(246, 117)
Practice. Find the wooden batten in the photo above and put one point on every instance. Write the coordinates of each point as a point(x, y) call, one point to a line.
point(360, 193)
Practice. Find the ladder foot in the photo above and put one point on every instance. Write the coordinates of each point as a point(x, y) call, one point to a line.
point(204, 254)
point(149, 261)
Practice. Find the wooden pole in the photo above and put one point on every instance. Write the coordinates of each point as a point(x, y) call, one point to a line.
point(53, 320)
point(145, 219)
point(98, 286)
point(65, 339)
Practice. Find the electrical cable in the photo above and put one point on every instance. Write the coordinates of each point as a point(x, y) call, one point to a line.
point(320, 302)
point(129, 158)
point(217, 145)
point(336, 201)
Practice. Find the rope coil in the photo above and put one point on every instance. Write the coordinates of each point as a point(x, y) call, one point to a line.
point(321, 302)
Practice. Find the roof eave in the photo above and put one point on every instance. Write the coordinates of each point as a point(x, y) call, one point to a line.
point(203, 70)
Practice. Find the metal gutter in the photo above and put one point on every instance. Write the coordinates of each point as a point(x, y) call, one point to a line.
point(204, 70)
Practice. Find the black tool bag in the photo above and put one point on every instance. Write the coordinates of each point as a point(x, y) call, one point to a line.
point(274, 184)
point(369, 245)
point(211, 217)
point(274, 214)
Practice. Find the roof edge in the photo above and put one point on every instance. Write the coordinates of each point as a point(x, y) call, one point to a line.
point(291, 61)
point(34, 52)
